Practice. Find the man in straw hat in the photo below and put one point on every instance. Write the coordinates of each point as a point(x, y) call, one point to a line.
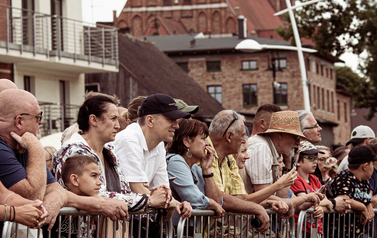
point(282, 137)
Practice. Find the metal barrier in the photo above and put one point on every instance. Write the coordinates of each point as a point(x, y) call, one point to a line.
point(335, 225)
point(69, 222)
point(201, 224)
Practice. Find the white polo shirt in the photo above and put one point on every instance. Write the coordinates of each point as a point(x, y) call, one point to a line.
point(137, 163)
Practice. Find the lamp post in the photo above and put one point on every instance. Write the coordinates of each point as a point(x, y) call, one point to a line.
point(299, 48)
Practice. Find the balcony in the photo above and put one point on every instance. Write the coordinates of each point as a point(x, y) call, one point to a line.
point(43, 42)
point(57, 117)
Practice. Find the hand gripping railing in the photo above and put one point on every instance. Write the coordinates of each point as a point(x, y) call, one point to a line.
point(335, 224)
point(201, 219)
point(166, 230)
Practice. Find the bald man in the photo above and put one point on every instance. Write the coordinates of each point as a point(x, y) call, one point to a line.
point(6, 84)
point(23, 169)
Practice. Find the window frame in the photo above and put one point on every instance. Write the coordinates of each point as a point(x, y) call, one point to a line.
point(250, 95)
point(215, 92)
point(249, 61)
point(213, 64)
point(279, 103)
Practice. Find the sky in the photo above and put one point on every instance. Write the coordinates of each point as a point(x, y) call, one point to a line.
point(102, 10)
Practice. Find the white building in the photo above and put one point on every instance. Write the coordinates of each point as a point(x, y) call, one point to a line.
point(45, 48)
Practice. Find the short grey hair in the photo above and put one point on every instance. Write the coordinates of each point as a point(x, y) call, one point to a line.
point(222, 120)
point(303, 115)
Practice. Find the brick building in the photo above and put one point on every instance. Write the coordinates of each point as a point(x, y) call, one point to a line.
point(168, 17)
point(244, 81)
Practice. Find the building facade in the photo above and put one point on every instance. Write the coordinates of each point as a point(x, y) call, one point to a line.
point(244, 81)
point(168, 17)
point(46, 49)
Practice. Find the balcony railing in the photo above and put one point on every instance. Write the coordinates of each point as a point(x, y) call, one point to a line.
point(54, 36)
point(57, 117)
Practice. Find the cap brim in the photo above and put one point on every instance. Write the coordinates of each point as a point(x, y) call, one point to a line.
point(311, 152)
point(355, 141)
point(176, 114)
point(190, 109)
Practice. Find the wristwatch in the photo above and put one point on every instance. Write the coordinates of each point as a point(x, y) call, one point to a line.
point(208, 175)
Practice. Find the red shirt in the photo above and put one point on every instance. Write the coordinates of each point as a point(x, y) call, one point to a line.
point(301, 186)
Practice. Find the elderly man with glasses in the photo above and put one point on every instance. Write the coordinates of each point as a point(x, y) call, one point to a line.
point(226, 134)
point(309, 127)
point(23, 167)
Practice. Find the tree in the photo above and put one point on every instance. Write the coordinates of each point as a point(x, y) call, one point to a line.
point(339, 26)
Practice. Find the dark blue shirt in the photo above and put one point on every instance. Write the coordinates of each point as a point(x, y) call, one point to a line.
point(373, 182)
point(13, 164)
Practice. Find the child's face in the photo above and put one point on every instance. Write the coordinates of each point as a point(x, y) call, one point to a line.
point(88, 182)
point(242, 156)
point(308, 164)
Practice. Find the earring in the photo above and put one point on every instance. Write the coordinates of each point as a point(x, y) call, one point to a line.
point(189, 154)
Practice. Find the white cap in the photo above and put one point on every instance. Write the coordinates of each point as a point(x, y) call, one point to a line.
point(361, 132)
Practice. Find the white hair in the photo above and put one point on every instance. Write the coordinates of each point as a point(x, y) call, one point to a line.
point(222, 120)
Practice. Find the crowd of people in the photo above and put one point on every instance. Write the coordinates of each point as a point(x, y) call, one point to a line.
point(153, 155)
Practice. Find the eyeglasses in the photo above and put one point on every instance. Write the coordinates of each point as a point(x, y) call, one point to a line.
point(38, 116)
point(312, 127)
point(236, 117)
point(311, 158)
point(323, 159)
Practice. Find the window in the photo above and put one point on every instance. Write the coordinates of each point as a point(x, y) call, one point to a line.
point(328, 100)
point(250, 95)
point(281, 63)
point(332, 102)
point(318, 99)
point(184, 66)
point(249, 65)
point(213, 66)
point(281, 94)
point(317, 68)
point(323, 99)
point(327, 72)
point(216, 92)
point(308, 64)
point(167, 1)
point(314, 96)
point(321, 70)
point(29, 84)
point(92, 87)
point(338, 109)
point(331, 74)
point(345, 112)
point(187, 1)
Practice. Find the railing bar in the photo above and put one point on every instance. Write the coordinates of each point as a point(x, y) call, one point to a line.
point(98, 224)
point(60, 227)
point(139, 228)
point(69, 226)
point(34, 35)
point(115, 226)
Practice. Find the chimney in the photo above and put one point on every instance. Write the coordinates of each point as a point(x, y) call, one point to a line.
point(114, 16)
point(242, 31)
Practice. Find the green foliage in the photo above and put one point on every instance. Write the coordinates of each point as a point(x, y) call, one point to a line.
point(338, 26)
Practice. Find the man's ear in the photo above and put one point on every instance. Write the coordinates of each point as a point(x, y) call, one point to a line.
point(18, 122)
point(263, 124)
point(93, 120)
point(149, 120)
point(365, 165)
point(228, 136)
point(74, 180)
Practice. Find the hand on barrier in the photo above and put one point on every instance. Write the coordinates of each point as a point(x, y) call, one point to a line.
point(342, 205)
point(25, 141)
point(32, 215)
point(219, 211)
point(279, 206)
point(371, 212)
point(320, 196)
point(265, 220)
point(184, 209)
point(365, 216)
point(288, 179)
point(115, 210)
point(318, 212)
point(160, 197)
point(290, 211)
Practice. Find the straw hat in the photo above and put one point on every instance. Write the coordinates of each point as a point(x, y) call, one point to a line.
point(285, 122)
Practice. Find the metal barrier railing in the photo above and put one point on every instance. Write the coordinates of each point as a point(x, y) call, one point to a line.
point(139, 225)
point(52, 35)
point(201, 224)
point(334, 224)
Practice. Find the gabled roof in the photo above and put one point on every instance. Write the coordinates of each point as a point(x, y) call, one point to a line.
point(182, 43)
point(167, 27)
point(160, 74)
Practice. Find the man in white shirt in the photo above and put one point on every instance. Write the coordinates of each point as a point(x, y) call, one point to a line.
point(140, 147)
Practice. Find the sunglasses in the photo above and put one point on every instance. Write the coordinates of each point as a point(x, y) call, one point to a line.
point(236, 117)
point(38, 116)
point(311, 158)
point(312, 127)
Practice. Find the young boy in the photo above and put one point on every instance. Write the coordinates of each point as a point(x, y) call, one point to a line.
point(353, 184)
point(306, 182)
point(80, 174)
